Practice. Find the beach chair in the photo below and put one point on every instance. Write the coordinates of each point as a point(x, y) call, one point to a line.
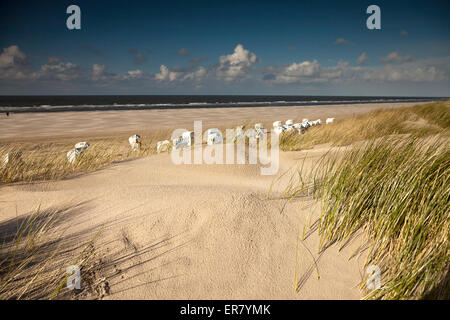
point(277, 124)
point(214, 136)
point(163, 146)
point(279, 130)
point(80, 147)
point(289, 122)
point(260, 132)
point(185, 140)
point(238, 133)
point(135, 142)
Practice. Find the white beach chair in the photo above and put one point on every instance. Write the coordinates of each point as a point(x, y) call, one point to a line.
point(260, 132)
point(185, 140)
point(279, 130)
point(277, 124)
point(188, 136)
point(214, 136)
point(163, 146)
point(135, 142)
point(80, 147)
point(289, 122)
point(238, 133)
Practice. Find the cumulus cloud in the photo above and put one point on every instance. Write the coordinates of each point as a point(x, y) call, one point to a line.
point(234, 66)
point(395, 57)
point(11, 56)
point(310, 72)
point(58, 70)
point(362, 58)
point(166, 75)
point(297, 72)
point(183, 52)
point(340, 41)
point(238, 65)
point(198, 75)
point(97, 71)
point(14, 64)
point(427, 70)
point(134, 74)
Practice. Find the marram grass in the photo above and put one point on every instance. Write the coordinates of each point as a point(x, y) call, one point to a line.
point(34, 255)
point(398, 191)
point(419, 121)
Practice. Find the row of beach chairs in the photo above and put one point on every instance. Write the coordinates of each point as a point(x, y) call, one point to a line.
point(186, 139)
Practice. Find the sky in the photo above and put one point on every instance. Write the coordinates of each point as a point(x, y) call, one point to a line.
point(225, 47)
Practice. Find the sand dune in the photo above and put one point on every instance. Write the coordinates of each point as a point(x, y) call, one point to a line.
point(194, 231)
point(188, 231)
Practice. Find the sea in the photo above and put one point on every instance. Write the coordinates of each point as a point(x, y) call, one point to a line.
point(23, 104)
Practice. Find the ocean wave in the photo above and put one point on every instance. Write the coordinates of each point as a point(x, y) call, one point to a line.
point(199, 104)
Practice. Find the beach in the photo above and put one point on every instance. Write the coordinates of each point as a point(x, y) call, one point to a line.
point(192, 232)
point(224, 158)
point(167, 231)
point(48, 126)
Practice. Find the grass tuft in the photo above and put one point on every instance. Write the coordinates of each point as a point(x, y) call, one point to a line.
point(34, 256)
point(398, 191)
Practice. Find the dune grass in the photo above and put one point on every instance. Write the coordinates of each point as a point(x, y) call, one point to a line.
point(392, 183)
point(34, 256)
point(398, 191)
point(420, 120)
point(48, 160)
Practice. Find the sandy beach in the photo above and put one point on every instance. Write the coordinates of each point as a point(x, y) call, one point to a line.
point(189, 231)
point(193, 232)
point(234, 157)
point(27, 126)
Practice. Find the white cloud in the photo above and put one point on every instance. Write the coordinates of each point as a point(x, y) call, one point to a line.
point(15, 66)
point(427, 70)
point(14, 63)
point(198, 75)
point(11, 56)
point(58, 70)
point(165, 74)
point(298, 72)
point(133, 74)
point(311, 72)
point(98, 71)
point(234, 66)
point(362, 58)
point(395, 57)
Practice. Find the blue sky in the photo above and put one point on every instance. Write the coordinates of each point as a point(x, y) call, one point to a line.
point(225, 47)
